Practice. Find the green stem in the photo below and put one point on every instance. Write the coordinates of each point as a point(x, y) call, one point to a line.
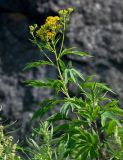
point(65, 90)
point(63, 37)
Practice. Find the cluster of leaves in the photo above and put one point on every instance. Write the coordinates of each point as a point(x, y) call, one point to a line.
point(91, 123)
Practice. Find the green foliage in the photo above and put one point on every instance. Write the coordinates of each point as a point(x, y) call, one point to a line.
point(47, 147)
point(74, 52)
point(91, 127)
point(37, 64)
point(88, 126)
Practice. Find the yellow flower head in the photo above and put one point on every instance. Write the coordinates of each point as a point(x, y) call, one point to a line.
point(49, 35)
point(52, 26)
point(52, 20)
point(49, 30)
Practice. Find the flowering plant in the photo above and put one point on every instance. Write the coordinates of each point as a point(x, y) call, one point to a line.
point(91, 122)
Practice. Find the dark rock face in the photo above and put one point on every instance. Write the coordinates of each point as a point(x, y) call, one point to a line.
point(96, 27)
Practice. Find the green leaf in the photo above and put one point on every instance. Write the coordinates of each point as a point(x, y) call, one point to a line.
point(38, 83)
point(62, 65)
point(86, 144)
point(33, 143)
point(57, 117)
point(71, 51)
point(111, 127)
point(77, 73)
point(67, 50)
point(37, 64)
point(96, 112)
point(72, 75)
point(90, 85)
point(109, 115)
point(65, 108)
point(78, 102)
point(83, 152)
point(66, 76)
point(63, 127)
point(51, 83)
point(57, 85)
point(116, 110)
point(112, 103)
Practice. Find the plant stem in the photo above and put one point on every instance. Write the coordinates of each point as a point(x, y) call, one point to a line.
point(43, 51)
point(63, 37)
point(65, 90)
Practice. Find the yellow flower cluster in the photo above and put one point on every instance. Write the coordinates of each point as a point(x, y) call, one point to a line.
point(52, 20)
point(7, 149)
point(51, 27)
point(49, 30)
